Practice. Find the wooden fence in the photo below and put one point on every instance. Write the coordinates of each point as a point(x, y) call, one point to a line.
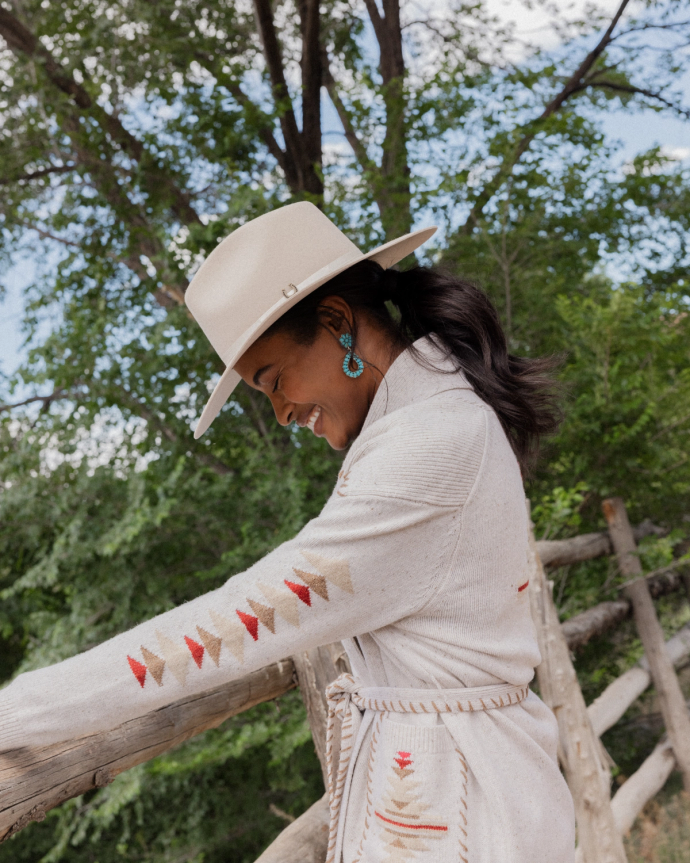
point(32, 781)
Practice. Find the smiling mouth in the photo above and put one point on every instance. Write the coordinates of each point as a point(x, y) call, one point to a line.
point(313, 416)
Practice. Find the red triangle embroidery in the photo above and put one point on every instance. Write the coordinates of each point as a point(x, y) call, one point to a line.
point(196, 649)
point(404, 760)
point(251, 622)
point(300, 590)
point(138, 670)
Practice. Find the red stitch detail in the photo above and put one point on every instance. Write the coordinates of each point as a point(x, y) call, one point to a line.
point(138, 670)
point(441, 827)
point(300, 590)
point(196, 649)
point(404, 760)
point(523, 586)
point(251, 622)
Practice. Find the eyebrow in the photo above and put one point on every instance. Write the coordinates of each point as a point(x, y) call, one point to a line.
point(259, 373)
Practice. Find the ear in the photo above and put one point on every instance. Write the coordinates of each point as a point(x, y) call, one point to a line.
point(336, 315)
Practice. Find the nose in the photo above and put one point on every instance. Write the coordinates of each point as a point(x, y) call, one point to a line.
point(283, 409)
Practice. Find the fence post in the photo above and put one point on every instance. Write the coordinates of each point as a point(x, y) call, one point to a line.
point(671, 700)
point(580, 750)
point(306, 839)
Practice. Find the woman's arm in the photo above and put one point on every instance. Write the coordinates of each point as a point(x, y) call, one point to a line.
point(371, 558)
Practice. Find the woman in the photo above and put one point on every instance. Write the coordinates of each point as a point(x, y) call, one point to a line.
point(418, 562)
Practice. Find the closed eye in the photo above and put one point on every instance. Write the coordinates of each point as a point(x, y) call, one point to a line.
point(277, 383)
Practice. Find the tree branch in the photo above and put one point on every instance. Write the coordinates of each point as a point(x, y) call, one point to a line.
point(572, 85)
point(58, 394)
point(351, 136)
point(37, 175)
point(627, 88)
point(23, 42)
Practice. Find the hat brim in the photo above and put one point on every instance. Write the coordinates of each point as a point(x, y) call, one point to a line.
point(386, 255)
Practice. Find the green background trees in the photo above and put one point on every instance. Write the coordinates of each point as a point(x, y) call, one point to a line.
point(134, 135)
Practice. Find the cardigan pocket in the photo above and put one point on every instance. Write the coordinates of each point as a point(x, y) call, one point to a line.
point(416, 799)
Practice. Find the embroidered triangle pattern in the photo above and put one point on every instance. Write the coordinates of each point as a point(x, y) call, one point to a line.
point(231, 633)
point(284, 603)
point(155, 665)
point(196, 649)
point(336, 571)
point(316, 582)
point(300, 590)
point(265, 613)
point(401, 815)
point(212, 644)
point(176, 655)
point(138, 670)
point(250, 622)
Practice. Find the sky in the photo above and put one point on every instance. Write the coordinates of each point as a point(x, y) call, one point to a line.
point(635, 132)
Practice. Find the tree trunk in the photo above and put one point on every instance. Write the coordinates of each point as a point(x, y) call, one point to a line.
point(598, 839)
point(663, 674)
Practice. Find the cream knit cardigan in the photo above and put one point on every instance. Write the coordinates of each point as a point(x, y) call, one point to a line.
point(418, 563)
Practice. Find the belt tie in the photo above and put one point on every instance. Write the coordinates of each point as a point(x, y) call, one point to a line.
point(348, 700)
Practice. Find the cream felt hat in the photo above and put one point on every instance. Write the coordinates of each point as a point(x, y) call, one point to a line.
point(265, 268)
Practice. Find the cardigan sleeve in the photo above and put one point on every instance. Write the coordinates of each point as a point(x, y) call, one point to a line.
point(366, 561)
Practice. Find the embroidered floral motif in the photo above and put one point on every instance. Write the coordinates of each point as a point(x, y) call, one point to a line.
point(404, 825)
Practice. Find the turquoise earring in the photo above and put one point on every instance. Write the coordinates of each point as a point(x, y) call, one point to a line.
point(350, 357)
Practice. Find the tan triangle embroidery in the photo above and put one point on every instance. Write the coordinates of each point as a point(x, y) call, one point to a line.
point(154, 664)
point(176, 655)
point(231, 632)
point(403, 771)
point(337, 571)
point(285, 602)
point(211, 642)
point(400, 804)
point(265, 614)
point(316, 582)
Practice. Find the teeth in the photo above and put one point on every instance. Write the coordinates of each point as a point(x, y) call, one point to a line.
point(315, 414)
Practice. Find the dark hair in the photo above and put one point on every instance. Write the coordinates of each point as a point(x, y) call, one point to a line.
point(464, 324)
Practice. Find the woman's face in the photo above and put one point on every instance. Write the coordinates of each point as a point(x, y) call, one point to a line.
point(306, 383)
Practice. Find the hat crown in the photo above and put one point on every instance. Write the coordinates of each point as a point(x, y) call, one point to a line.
point(259, 265)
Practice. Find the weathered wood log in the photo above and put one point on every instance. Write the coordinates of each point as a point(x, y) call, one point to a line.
point(595, 621)
point(315, 670)
point(34, 780)
point(581, 628)
point(588, 779)
point(608, 708)
point(303, 841)
point(663, 674)
point(586, 546)
point(645, 783)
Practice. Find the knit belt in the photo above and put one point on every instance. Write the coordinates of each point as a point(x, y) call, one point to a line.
point(348, 699)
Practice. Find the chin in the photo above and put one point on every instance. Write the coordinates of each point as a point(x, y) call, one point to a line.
point(338, 441)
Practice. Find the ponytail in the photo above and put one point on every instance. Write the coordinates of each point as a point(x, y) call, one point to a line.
point(464, 325)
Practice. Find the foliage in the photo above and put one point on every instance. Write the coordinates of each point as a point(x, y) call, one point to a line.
point(134, 135)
